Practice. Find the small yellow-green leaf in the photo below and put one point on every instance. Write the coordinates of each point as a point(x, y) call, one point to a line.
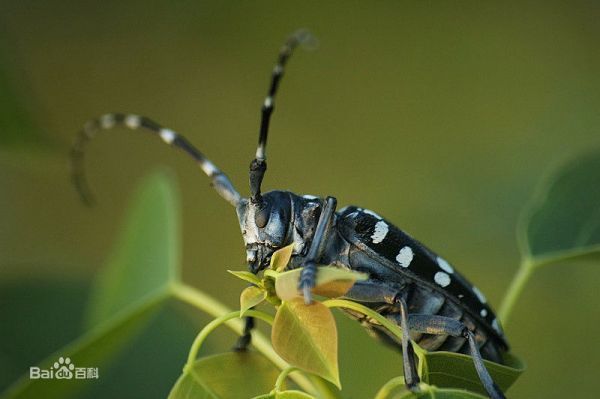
point(306, 337)
point(332, 282)
point(250, 297)
point(232, 375)
point(281, 258)
point(246, 276)
point(454, 370)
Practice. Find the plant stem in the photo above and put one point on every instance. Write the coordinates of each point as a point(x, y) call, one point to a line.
point(216, 323)
point(209, 305)
point(515, 289)
point(282, 376)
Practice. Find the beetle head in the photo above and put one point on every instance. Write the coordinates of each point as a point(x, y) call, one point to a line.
point(265, 226)
point(280, 219)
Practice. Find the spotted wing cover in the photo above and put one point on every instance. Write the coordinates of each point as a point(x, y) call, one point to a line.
point(413, 258)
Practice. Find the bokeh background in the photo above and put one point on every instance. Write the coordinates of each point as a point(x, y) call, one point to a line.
point(440, 116)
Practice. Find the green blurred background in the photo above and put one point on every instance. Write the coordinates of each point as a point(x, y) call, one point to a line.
point(440, 116)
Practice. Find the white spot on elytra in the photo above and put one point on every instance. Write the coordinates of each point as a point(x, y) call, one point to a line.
point(460, 296)
point(311, 197)
point(381, 230)
point(268, 102)
point(167, 135)
point(368, 212)
point(442, 279)
point(445, 266)
point(405, 256)
point(479, 295)
point(107, 121)
point(133, 121)
point(483, 312)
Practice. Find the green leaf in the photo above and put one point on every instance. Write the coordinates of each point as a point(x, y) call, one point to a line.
point(562, 220)
point(94, 349)
point(250, 297)
point(306, 337)
point(147, 255)
point(125, 299)
point(281, 258)
point(246, 276)
point(234, 375)
point(455, 370)
point(30, 310)
point(395, 389)
point(331, 282)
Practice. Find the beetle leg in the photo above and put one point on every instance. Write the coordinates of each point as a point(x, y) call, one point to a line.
point(380, 292)
point(411, 377)
point(377, 291)
point(440, 325)
point(244, 340)
point(486, 379)
point(309, 271)
point(372, 291)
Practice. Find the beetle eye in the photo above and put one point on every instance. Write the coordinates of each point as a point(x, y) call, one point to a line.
point(261, 216)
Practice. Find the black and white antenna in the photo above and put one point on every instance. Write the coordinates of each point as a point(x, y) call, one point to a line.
point(258, 167)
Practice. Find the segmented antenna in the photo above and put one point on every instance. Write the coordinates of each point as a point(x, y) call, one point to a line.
point(220, 181)
point(258, 166)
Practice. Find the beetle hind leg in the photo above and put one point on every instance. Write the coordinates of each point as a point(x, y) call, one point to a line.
point(441, 325)
point(373, 291)
point(411, 377)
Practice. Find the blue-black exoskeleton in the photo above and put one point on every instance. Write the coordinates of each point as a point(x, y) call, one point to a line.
point(408, 283)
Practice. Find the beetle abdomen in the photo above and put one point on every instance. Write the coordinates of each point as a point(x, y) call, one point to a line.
point(431, 284)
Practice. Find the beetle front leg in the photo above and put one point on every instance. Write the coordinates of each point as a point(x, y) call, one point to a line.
point(309, 270)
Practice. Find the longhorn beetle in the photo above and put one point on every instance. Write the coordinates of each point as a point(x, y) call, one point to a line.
point(409, 284)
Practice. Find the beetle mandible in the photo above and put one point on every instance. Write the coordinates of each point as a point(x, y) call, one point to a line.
point(408, 283)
